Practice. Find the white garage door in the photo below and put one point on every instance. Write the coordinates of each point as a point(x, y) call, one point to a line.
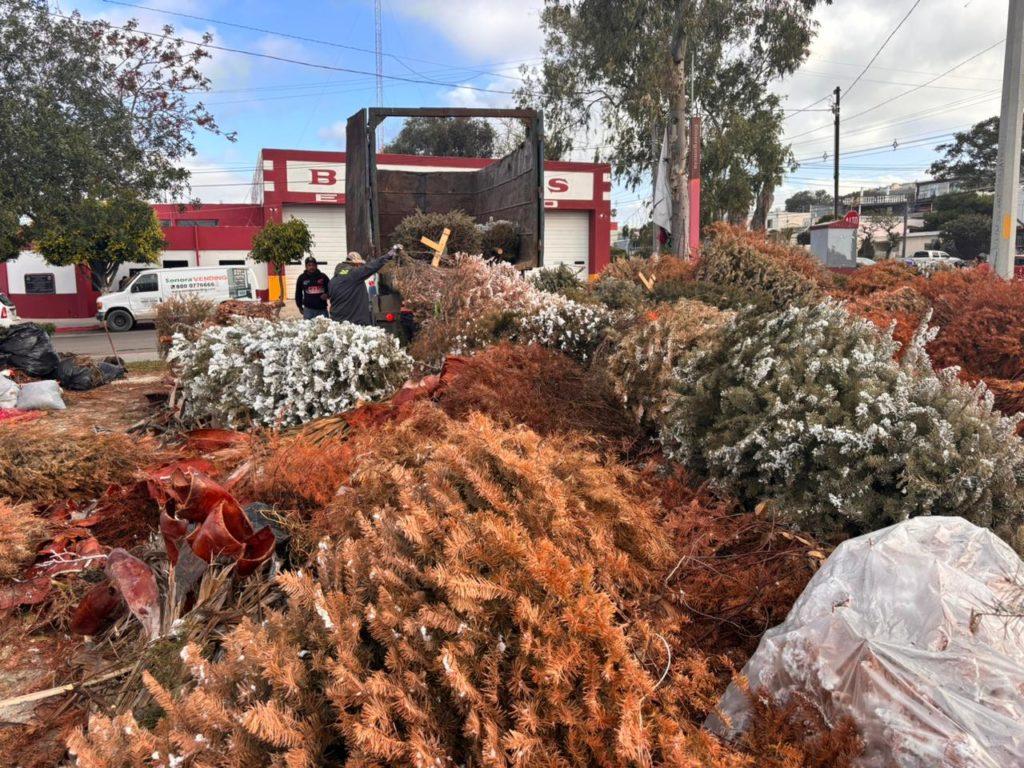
point(327, 226)
point(567, 240)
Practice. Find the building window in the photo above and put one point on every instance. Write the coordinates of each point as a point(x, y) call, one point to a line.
point(198, 222)
point(232, 262)
point(175, 263)
point(165, 223)
point(44, 283)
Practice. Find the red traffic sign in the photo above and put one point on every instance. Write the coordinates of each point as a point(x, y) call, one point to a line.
point(852, 218)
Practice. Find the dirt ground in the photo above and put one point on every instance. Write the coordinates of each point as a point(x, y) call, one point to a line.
point(115, 407)
point(32, 735)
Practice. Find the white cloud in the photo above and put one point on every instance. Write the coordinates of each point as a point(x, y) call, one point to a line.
point(225, 179)
point(937, 36)
point(483, 28)
point(334, 133)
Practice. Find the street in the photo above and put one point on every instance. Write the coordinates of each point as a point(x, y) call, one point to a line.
point(139, 344)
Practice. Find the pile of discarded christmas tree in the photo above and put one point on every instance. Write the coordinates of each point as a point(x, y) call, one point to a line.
point(557, 547)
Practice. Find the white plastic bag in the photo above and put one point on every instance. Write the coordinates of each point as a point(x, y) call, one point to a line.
point(896, 631)
point(8, 391)
point(40, 396)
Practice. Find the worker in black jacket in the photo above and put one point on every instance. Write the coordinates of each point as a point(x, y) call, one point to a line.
point(350, 301)
point(311, 291)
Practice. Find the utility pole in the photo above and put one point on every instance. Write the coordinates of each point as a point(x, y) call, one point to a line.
point(835, 158)
point(1004, 220)
point(377, 30)
point(903, 249)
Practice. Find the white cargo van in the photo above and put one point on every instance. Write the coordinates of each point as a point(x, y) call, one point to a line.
point(138, 300)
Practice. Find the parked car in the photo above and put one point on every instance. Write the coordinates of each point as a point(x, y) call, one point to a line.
point(930, 259)
point(864, 261)
point(8, 312)
point(138, 300)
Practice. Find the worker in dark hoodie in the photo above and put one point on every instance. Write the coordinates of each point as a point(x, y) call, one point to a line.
point(311, 291)
point(350, 301)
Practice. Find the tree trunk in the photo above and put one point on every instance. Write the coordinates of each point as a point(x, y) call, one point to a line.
point(765, 197)
point(679, 146)
point(655, 168)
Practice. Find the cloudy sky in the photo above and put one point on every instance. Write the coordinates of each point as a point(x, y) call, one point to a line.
point(468, 53)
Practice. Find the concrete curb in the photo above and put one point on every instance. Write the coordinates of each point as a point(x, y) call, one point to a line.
point(78, 328)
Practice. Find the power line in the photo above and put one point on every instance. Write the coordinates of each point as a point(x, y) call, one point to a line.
point(300, 38)
point(912, 118)
point(287, 60)
point(881, 48)
point(901, 95)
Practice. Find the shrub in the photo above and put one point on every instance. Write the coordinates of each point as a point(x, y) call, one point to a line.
point(560, 323)
point(643, 364)
point(185, 315)
point(619, 294)
point(280, 373)
point(500, 240)
point(464, 237)
point(808, 407)
point(738, 258)
point(562, 279)
point(538, 388)
point(43, 465)
point(461, 307)
point(21, 532)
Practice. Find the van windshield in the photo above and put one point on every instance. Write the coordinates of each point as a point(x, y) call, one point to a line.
point(145, 283)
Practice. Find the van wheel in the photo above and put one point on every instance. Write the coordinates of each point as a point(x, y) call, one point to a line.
point(120, 320)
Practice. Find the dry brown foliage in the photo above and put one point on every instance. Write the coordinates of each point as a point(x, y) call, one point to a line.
point(183, 314)
point(737, 572)
point(482, 596)
point(901, 308)
point(540, 389)
point(42, 466)
point(228, 310)
point(459, 306)
point(767, 272)
point(663, 268)
point(881, 276)
point(21, 531)
point(981, 322)
point(642, 364)
point(295, 472)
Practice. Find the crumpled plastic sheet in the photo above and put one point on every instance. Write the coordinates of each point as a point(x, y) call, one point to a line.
point(896, 630)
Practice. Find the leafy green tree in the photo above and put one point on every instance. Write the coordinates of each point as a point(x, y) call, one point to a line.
point(967, 235)
point(949, 207)
point(620, 67)
point(281, 244)
point(444, 137)
point(971, 156)
point(90, 111)
point(103, 235)
point(804, 200)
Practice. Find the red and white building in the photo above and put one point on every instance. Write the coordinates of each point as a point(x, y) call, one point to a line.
point(310, 185)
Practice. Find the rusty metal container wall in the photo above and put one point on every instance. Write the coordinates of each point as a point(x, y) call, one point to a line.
point(400, 193)
point(510, 188)
point(359, 215)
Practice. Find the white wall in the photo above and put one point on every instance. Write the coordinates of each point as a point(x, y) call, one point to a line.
point(31, 263)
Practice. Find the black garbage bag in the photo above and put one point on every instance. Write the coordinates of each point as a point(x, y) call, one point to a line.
point(79, 374)
point(27, 348)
